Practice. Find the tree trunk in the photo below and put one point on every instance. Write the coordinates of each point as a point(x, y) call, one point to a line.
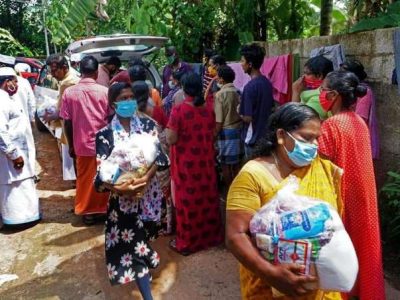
point(326, 17)
point(263, 21)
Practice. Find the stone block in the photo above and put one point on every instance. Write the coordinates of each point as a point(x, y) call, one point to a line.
point(315, 42)
point(373, 67)
point(276, 48)
point(358, 44)
point(296, 47)
point(384, 41)
point(387, 68)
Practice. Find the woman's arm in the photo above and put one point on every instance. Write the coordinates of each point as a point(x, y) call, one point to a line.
point(172, 136)
point(297, 89)
point(285, 278)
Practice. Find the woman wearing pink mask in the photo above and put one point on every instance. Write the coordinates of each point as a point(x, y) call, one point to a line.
point(305, 89)
point(345, 141)
point(19, 202)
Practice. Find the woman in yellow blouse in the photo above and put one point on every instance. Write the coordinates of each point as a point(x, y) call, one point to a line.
point(289, 148)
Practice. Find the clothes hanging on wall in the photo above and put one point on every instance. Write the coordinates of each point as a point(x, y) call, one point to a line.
point(335, 53)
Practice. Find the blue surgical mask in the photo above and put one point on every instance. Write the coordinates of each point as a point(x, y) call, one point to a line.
point(126, 108)
point(303, 153)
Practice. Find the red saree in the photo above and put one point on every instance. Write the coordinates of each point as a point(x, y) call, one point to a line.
point(345, 141)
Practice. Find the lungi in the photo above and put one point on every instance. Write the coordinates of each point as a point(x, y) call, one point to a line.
point(229, 147)
point(87, 200)
point(19, 202)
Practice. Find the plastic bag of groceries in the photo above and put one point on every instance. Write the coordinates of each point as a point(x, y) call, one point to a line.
point(129, 160)
point(48, 105)
point(299, 229)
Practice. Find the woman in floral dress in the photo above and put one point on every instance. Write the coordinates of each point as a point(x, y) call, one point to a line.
point(133, 219)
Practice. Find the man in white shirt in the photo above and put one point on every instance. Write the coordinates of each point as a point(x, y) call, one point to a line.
point(25, 94)
point(19, 202)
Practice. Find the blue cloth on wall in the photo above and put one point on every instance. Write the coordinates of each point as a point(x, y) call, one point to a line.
point(396, 44)
point(334, 53)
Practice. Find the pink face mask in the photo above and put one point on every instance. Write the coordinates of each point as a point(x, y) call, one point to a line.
point(326, 104)
point(11, 90)
point(312, 83)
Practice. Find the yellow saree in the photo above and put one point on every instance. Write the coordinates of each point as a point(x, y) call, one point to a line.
point(255, 186)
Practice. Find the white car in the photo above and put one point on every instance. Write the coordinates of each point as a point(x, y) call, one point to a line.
point(124, 46)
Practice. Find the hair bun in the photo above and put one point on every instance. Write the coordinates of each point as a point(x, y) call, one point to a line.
point(360, 90)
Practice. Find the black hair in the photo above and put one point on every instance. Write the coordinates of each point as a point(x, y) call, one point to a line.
point(289, 117)
point(115, 90)
point(355, 67)
point(208, 53)
point(171, 50)
point(253, 54)
point(5, 78)
point(192, 86)
point(89, 65)
point(136, 61)
point(114, 60)
point(177, 75)
point(218, 60)
point(319, 66)
point(347, 85)
point(137, 73)
point(226, 73)
point(57, 59)
point(141, 92)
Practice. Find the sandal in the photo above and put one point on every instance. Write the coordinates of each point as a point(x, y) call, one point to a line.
point(89, 220)
point(172, 245)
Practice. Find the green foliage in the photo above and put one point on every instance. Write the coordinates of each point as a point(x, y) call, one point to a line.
point(10, 46)
point(193, 25)
point(64, 18)
point(22, 21)
point(390, 208)
point(387, 19)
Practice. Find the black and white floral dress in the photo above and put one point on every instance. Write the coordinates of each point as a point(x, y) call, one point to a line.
point(131, 223)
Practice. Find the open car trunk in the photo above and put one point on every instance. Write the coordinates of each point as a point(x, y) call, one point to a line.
point(124, 46)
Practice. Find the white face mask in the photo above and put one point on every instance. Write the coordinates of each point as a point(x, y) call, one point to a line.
point(171, 84)
point(220, 85)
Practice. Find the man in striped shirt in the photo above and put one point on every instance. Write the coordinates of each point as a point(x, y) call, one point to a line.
point(85, 110)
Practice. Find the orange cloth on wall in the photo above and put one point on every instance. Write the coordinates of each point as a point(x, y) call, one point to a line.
point(87, 200)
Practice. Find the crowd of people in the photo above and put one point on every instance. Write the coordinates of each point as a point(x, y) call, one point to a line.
point(213, 142)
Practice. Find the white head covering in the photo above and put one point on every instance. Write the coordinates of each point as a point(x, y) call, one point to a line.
point(22, 67)
point(5, 59)
point(7, 71)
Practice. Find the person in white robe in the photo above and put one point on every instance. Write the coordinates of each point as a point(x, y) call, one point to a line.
point(25, 93)
point(19, 202)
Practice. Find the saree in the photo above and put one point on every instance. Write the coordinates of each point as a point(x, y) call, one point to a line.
point(345, 140)
point(255, 186)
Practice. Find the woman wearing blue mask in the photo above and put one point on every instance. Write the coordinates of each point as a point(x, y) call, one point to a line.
point(134, 209)
point(288, 148)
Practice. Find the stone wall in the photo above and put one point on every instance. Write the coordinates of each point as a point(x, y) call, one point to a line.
point(375, 50)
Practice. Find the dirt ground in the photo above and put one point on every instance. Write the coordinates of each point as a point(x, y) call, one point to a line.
point(61, 258)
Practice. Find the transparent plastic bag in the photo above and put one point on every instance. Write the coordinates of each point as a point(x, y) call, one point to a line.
point(129, 160)
point(297, 229)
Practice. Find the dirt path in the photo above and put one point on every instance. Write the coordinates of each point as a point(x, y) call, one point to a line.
point(60, 258)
